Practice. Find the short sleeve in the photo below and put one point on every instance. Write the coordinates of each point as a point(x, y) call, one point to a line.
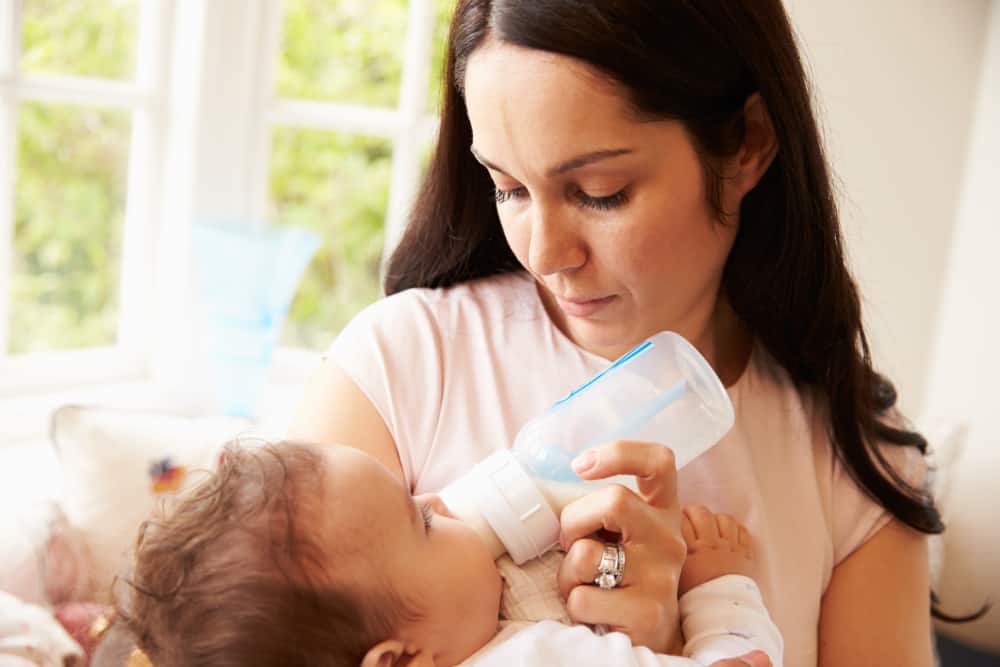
point(392, 351)
point(856, 515)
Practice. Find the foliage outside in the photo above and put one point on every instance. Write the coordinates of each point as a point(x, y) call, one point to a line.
point(72, 165)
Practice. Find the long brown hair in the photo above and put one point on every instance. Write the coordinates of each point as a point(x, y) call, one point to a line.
point(786, 276)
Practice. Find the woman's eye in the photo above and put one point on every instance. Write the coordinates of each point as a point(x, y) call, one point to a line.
point(602, 203)
point(428, 515)
point(503, 195)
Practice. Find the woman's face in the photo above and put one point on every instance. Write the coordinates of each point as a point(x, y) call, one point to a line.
point(608, 212)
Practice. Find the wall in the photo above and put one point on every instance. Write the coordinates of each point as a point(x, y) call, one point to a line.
point(896, 82)
point(910, 92)
point(965, 366)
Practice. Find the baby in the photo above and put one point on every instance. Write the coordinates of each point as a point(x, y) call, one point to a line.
point(292, 554)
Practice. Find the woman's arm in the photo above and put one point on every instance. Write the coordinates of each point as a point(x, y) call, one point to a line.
point(335, 411)
point(876, 610)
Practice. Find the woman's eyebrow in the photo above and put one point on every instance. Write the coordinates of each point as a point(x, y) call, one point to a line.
point(562, 168)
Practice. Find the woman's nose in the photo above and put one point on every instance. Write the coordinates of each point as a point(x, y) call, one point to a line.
point(555, 245)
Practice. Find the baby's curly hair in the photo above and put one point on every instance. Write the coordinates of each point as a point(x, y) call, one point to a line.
point(234, 574)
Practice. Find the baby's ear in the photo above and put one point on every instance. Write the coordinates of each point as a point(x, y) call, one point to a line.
point(396, 653)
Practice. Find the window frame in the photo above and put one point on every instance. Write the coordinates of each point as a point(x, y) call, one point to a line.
point(408, 126)
point(205, 107)
point(142, 99)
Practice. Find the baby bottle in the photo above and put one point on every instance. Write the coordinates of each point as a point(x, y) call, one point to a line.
point(662, 391)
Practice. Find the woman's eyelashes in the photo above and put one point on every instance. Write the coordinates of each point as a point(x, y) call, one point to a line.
point(602, 203)
point(503, 195)
point(583, 199)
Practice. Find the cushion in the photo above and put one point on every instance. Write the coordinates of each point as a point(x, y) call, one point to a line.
point(118, 465)
point(24, 531)
point(29, 488)
point(29, 635)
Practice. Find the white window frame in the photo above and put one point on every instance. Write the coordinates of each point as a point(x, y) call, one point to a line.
point(204, 111)
point(408, 126)
point(143, 99)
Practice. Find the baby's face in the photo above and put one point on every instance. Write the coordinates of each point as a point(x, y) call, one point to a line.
point(415, 548)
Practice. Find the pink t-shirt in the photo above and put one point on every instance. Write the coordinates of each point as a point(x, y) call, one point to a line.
point(455, 373)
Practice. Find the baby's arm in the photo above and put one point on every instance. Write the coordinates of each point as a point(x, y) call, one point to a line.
point(725, 617)
point(553, 644)
point(722, 611)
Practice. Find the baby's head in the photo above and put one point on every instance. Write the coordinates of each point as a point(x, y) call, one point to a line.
point(293, 554)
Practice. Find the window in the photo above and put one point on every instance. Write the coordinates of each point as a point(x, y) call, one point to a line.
point(348, 133)
point(78, 131)
point(122, 122)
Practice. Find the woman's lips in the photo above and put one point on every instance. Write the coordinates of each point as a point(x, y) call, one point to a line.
point(583, 308)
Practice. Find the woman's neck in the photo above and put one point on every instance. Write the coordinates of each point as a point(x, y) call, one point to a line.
point(727, 343)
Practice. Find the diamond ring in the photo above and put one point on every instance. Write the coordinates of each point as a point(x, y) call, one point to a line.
point(611, 569)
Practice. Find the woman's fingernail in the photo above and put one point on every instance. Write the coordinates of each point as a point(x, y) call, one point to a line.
point(585, 461)
point(756, 659)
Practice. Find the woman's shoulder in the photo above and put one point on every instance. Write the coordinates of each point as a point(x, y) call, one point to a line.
point(498, 290)
point(486, 299)
point(787, 421)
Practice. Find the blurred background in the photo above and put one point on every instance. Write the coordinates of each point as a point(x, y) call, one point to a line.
point(123, 123)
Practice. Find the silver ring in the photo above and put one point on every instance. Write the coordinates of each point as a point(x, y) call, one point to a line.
point(611, 569)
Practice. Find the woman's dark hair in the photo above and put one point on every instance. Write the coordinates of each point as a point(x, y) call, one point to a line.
point(235, 575)
point(786, 276)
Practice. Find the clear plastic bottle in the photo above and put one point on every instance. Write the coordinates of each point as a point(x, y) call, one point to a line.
point(662, 391)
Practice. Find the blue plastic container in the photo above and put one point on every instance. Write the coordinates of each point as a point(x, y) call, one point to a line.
point(247, 276)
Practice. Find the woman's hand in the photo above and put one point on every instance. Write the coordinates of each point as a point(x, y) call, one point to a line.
point(648, 525)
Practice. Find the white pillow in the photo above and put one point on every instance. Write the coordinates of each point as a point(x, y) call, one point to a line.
point(23, 534)
point(117, 465)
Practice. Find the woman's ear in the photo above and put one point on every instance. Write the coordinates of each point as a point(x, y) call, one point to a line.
point(396, 653)
point(760, 145)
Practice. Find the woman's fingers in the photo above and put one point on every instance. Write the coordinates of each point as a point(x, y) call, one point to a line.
point(622, 610)
point(652, 464)
point(580, 565)
point(642, 567)
point(647, 525)
point(618, 510)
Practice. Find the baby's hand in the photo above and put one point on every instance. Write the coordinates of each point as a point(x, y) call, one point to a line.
point(717, 544)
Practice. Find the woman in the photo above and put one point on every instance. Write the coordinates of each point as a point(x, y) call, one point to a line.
point(605, 171)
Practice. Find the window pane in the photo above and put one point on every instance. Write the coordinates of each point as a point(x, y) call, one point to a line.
point(80, 37)
point(69, 208)
point(344, 50)
point(443, 11)
point(337, 185)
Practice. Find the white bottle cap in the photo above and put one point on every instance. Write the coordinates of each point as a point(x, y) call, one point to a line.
point(510, 501)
